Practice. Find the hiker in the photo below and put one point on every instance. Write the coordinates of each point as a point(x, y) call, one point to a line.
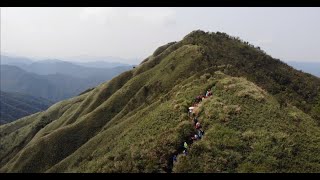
point(174, 158)
point(200, 133)
point(190, 110)
point(198, 99)
point(195, 120)
point(207, 93)
point(195, 100)
point(195, 137)
point(185, 152)
point(198, 125)
point(185, 145)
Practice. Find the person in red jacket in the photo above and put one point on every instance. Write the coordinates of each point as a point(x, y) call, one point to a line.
point(198, 125)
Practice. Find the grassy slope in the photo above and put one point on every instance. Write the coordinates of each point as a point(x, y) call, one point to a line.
point(16, 135)
point(96, 110)
point(247, 131)
point(279, 79)
point(136, 121)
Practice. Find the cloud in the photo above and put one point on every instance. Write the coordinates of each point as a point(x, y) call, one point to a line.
point(97, 14)
point(153, 15)
point(116, 16)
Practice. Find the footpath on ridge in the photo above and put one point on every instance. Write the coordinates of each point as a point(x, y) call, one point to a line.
point(193, 114)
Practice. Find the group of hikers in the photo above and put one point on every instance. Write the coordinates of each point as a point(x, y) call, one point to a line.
point(198, 100)
point(199, 131)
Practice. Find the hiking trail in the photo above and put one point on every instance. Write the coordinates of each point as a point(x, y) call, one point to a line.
point(194, 113)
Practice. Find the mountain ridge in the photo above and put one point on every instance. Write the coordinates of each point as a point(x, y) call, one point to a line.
point(137, 121)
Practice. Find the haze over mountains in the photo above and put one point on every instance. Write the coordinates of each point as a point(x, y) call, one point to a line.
point(308, 67)
point(264, 116)
point(54, 66)
point(101, 62)
point(53, 80)
point(54, 87)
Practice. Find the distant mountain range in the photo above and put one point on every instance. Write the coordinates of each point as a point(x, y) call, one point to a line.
point(29, 85)
point(54, 87)
point(54, 79)
point(16, 105)
point(308, 67)
point(106, 62)
point(105, 70)
point(16, 61)
point(101, 64)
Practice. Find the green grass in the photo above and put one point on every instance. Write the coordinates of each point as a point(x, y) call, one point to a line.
point(244, 134)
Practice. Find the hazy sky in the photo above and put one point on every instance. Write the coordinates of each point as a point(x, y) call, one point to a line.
point(284, 33)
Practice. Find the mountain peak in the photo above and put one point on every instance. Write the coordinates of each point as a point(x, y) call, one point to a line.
point(196, 33)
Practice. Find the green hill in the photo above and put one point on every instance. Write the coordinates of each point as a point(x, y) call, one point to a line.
point(16, 105)
point(263, 117)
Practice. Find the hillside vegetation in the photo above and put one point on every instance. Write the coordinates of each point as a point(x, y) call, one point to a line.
point(263, 117)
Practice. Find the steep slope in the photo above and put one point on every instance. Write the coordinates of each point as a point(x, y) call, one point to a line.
point(246, 132)
point(54, 87)
point(262, 118)
point(16, 105)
